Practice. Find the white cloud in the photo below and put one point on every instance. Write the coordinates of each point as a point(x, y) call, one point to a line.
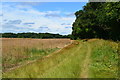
point(27, 15)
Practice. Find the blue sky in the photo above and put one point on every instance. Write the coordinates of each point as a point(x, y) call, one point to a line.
point(44, 0)
point(39, 17)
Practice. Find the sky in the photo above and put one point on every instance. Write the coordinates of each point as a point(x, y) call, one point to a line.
point(45, 0)
point(39, 17)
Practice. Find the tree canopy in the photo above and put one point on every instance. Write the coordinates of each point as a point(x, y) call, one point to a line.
point(98, 20)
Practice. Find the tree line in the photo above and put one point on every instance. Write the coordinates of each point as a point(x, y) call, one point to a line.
point(33, 35)
point(97, 20)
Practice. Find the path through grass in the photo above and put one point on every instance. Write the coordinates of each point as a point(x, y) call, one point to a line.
point(86, 62)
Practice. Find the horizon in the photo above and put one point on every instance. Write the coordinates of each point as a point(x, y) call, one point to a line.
point(35, 33)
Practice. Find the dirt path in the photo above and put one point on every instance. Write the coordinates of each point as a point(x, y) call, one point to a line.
point(86, 62)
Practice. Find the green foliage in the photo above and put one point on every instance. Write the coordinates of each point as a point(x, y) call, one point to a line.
point(98, 20)
point(33, 35)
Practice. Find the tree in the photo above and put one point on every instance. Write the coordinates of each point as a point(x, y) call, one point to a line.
point(98, 20)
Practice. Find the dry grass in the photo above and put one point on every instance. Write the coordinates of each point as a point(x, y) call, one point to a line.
point(16, 50)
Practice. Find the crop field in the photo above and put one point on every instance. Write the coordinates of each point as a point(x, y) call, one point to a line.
point(16, 52)
point(95, 58)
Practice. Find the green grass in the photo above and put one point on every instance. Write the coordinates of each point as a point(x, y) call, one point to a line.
point(38, 53)
point(68, 62)
point(104, 60)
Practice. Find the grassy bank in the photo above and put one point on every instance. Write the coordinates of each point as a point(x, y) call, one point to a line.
point(82, 59)
point(104, 59)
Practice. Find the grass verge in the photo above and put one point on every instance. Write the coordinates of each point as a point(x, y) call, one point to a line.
point(104, 60)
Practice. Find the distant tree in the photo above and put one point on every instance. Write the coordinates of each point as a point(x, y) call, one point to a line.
point(33, 35)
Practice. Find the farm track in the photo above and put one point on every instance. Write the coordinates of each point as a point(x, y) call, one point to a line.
point(64, 60)
point(72, 54)
point(86, 62)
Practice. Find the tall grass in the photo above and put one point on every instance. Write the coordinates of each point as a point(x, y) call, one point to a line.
point(17, 51)
point(63, 64)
